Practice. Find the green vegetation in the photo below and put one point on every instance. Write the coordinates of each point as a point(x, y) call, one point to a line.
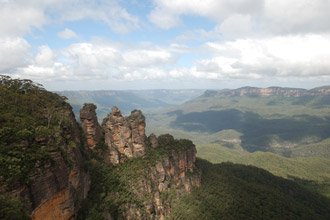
point(232, 191)
point(311, 172)
point(12, 209)
point(289, 126)
point(34, 123)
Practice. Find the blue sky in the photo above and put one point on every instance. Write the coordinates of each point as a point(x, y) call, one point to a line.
point(171, 44)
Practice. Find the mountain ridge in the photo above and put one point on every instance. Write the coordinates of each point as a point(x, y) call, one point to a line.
point(269, 91)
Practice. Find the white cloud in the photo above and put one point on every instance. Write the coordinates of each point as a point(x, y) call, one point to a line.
point(290, 56)
point(98, 60)
point(263, 16)
point(108, 11)
point(296, 16)
point(147, 57)
point(45, 56)
point(251, 39)
point(167, 12)
point(19, 17)
point(286, 57)
point(67, 34)
point(15, 52)
point(235, 26)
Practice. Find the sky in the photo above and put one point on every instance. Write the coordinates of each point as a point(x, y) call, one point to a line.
point(166, 44)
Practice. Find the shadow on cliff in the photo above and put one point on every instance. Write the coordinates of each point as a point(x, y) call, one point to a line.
point(258, 132)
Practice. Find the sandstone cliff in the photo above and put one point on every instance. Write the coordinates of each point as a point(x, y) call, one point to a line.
point(41, 154)
point(124, 136)
point(170, 176)
point(270, 91)
point(90, 125)
point(144, 175)
point(56, 189)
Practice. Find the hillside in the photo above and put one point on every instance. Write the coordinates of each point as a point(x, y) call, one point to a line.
point(232, 191)
point(311, 172)
point(287, 121)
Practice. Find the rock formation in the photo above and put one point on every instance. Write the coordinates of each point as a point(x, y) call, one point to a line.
point(124, 136)
point(174, 174)
point(90, 125)
point(170, 172)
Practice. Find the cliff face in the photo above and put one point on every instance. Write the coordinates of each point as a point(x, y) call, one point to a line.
point(41, 156)
point(278, 91)
point(270, 91)
point(124, 136)
point(57, 191)
point(152, 171)
point(171, 176)
point(56, 188)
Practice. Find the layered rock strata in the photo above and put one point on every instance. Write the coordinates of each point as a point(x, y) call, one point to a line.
point(124, 136)
point(90, 125)
point(173, 175)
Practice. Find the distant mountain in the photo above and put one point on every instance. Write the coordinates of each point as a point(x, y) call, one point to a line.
point(289, 121)
point(270, 91)
point(128, 100)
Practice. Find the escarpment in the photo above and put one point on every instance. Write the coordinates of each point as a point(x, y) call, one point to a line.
point(151, 172)
point(41, 154)
point(269, 91)
point(56, 189)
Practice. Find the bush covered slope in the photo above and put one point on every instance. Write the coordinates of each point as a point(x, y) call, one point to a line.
point(232, 191)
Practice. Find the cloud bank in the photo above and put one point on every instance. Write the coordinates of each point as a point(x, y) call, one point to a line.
point(262, 40)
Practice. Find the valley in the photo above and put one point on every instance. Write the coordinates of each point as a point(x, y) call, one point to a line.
point(214, 166)
point(283, 130)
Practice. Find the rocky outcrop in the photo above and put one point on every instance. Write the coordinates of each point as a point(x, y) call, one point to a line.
point(164, 168)
point(124, 136)
point(171, 176)
point(90, 125)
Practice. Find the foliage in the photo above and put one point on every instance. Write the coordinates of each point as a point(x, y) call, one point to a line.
point(232, 191)
point(315, 171)
point(12, 209)
point(33, 122)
